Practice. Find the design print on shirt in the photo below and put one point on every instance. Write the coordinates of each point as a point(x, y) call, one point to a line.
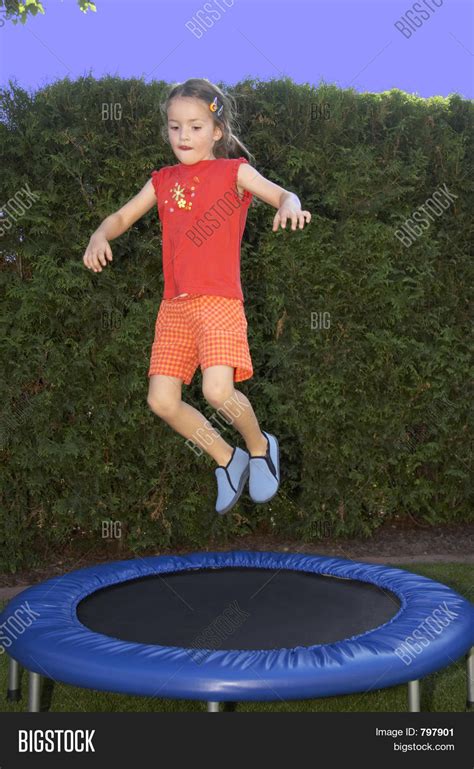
point(178, 193)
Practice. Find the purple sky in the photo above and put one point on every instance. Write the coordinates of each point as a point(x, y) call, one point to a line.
point(345, 43)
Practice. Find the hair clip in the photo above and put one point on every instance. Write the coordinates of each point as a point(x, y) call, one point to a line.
point(213, 106)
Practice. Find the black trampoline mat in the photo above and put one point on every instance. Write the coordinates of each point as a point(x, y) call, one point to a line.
point(239, 608)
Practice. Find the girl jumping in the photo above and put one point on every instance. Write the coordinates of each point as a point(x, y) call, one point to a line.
point(202, 203)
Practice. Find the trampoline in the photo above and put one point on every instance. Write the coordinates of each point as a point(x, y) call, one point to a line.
point(236, 625)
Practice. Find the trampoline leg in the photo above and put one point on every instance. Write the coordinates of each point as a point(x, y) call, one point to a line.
point(13, 691)
point(413, 696)
point(470, 678)
point(213, 707)
point(34, 692)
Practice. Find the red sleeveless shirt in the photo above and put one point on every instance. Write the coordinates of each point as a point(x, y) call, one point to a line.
point(203, 219)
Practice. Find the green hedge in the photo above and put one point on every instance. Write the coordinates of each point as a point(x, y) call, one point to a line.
point(361, 343)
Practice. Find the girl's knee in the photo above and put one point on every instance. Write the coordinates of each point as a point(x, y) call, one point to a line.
point(163, 404)
point(218, 394)
point(164, 394)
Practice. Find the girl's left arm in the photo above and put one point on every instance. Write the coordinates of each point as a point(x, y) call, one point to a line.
point(287, 203)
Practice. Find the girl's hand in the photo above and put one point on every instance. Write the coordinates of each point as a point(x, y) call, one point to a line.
point(97, 253)
point(290, 211)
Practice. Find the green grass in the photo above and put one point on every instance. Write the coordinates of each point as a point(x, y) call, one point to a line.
point(443, 691)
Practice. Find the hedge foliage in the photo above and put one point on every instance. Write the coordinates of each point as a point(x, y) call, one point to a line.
point(361, 343)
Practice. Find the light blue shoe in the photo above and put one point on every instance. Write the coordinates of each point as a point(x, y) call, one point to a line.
point(231, 479)
point(265, 472)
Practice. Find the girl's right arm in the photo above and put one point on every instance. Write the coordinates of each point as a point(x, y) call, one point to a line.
point(98, 249)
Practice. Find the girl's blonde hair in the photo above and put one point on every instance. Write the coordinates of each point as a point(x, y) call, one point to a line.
point(229, 145)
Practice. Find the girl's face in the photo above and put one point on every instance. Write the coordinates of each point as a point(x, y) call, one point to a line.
point(191, 124)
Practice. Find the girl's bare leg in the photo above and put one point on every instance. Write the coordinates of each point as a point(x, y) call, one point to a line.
point(164, 399)
point(233, 407)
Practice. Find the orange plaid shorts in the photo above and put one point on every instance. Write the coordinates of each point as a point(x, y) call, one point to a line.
point(200, 329)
